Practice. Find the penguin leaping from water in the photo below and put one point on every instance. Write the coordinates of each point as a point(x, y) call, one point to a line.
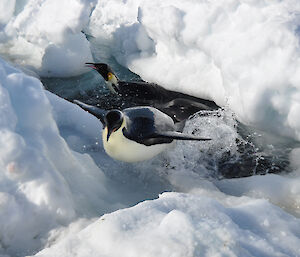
point(136, 134)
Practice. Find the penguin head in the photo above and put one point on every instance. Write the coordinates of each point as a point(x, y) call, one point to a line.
point(105, 71)
point(113, 121)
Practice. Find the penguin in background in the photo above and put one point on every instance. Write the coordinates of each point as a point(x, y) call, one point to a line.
point(177, 105)
point(138, 133)
point(142, 92)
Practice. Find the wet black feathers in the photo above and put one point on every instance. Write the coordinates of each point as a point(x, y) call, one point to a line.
point(144, 124)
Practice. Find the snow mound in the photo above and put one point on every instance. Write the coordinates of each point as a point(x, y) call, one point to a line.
point(43, 184)
point(179, 224)
point(45, 36)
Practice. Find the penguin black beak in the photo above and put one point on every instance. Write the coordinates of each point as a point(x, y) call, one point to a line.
point(108, 135)
point(101, 68)
point(110, 131)
point(91, 65)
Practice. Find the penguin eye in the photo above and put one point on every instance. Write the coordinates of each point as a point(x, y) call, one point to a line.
point(109, 75)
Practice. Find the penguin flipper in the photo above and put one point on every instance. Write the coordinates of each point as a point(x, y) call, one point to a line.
point(97, 112)
point(178, 136)
point(147, 139)
point(161, 137)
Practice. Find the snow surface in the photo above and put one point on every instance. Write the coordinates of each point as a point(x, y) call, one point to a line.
point(42, 181)
point(45, 36)
point(56, 181)
point(187, 225)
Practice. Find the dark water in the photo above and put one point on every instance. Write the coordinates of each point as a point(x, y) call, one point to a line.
point(89, 87)
point(258, 152)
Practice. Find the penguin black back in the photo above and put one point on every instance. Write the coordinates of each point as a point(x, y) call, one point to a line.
point(144, 123)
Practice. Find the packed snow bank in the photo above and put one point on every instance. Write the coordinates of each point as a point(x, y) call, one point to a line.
point(45, 35)
point(43, 184)
point(179, 224)
point(242, 54)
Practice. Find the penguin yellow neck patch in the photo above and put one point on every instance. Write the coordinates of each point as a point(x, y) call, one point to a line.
point(112, 82)
point(110, 76)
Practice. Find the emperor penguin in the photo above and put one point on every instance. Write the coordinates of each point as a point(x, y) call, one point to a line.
point(138, 133)
point(138, 91)
point(144, 93)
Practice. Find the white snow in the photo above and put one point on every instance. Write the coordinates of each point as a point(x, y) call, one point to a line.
point(45, 36)
point(56, 181)
point(179, 224)
point(43, 184)
point(9, 7)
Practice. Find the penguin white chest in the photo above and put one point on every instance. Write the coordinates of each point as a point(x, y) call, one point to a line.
point(121, 148)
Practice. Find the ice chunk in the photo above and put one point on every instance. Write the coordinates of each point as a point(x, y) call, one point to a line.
point(186, 225)
point(42, 182)
point(45, 36)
